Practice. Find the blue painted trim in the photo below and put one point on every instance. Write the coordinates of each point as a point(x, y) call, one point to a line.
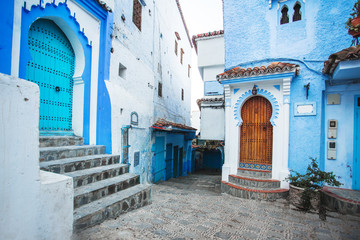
point(6, 29)
point(236, 90)
point(356, 157)
point(62, 11)
point(258, 78)
point(261, 92)
point(142, 3)
point(277, 87)
point(103, 118)
point(313, 113)
point(323, 130)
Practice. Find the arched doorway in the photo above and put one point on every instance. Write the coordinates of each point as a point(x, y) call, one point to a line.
point(256, 133)
point(52, 68)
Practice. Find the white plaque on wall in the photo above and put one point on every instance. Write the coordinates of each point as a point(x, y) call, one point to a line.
point(305, 109)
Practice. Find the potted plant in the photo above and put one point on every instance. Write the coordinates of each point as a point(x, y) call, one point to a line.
point(305, 188)
point(353, 23)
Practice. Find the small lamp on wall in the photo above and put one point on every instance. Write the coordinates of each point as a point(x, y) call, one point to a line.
point(254, 90)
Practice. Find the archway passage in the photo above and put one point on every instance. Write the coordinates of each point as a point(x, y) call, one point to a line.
point(52, 68)
point(256, 133)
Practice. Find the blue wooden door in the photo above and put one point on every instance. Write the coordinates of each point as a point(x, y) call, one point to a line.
point(176, 162)
point(169, 162)
point(159, 164)
point(356, 167)
point(52, 68)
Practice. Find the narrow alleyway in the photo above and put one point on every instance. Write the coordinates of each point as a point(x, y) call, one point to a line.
point(192, 207)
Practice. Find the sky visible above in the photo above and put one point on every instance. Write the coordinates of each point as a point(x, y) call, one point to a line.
point(201, 16)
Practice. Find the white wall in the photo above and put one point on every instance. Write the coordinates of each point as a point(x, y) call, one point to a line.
point(212, 122)
point(195, 120)
point(141, 53)
point(24, 203)
point(211, 51)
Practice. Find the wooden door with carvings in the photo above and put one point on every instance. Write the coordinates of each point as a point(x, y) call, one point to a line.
point(256, 133)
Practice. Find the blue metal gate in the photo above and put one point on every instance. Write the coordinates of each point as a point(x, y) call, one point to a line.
point(52, 68)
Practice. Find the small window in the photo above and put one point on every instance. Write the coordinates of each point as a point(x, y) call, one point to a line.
point(189, 70)
point(297, 13)
point(284, 15)
point(181, 56)
point(160, 89)
point(182, 94)
point(137, 9)
point(176, 47)
point(122, 71)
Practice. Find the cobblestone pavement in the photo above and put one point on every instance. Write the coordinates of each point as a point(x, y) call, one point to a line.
point(192, 207)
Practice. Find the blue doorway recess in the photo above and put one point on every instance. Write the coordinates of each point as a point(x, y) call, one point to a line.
point(168, 161)
point(176, 162)
point(159, 164)
point(356, 167)
point(52, 68)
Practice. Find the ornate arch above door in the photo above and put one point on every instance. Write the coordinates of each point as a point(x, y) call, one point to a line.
point(261, 92)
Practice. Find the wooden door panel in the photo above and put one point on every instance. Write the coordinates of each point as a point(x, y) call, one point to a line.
point(256, 131)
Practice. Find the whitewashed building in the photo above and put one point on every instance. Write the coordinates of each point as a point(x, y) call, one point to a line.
point(210, 49)
point(111, 79)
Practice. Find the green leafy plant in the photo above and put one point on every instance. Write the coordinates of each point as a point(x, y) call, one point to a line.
point(313, 180)
point(354, 14)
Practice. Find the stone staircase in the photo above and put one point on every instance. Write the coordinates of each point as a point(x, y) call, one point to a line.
point(254, 184)
point(103, 188)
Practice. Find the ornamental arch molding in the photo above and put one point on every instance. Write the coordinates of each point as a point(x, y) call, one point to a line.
point(247, 95)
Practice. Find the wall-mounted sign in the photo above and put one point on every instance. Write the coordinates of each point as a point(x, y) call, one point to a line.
point(305, 109)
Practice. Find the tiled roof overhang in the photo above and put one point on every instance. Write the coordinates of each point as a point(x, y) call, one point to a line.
point(351, 53)
point(273, 68)
point(206, 35)
point(209, 100)
point(165, 125)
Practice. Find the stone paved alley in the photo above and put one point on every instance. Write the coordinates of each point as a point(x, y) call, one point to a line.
point(192, 207)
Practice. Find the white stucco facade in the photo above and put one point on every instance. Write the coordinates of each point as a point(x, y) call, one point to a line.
point(142, 59)
point(210, 49)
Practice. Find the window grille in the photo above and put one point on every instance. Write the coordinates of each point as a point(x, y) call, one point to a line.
point(137, 8)
point(284, 15)
point(297, 13)
point(160, 89)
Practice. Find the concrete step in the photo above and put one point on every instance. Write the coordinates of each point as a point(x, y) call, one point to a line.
point(87, 176)
point(269, 194)
point(111, 206)
point(254, 173)
point(254, 182)
point(59, 141)
point(345, 201)
point(79, 163)
point(94, 191)
point(56, 153)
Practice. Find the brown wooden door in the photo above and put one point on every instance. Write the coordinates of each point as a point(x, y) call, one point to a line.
point(256, 132)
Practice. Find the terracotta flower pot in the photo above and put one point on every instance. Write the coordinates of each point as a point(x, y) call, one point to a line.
point(355, 22)
point(295, 197)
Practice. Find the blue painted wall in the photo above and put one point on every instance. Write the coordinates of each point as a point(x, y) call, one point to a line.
point(6, 19)
point(181, 140)
point(344, 114)
point(212, 159)
point(254, 37)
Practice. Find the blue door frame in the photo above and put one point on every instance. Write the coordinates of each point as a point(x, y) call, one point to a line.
point(356, 166)
point(169, 162)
